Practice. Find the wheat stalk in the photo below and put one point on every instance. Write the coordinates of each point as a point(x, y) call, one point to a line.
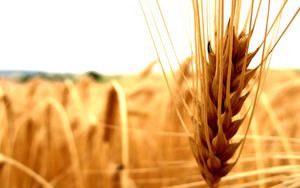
point(4, 160)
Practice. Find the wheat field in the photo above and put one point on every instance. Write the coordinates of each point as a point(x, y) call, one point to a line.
point(125, 133)
point(214, 119)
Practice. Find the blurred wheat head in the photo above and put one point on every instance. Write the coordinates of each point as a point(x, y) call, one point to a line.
point(218, 77)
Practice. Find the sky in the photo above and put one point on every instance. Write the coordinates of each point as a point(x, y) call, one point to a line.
point(109, 37)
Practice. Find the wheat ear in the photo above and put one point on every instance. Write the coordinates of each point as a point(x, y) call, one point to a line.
point(214, 127)
point(221, 86)
point(220, 76)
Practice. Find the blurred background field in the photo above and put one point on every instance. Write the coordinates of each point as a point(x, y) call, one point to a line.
point(62, 129)
point(74, 132)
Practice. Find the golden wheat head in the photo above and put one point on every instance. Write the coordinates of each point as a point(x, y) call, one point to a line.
point(221, 77)
point(211, 144)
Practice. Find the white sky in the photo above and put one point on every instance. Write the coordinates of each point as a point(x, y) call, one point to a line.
point(109, 36)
